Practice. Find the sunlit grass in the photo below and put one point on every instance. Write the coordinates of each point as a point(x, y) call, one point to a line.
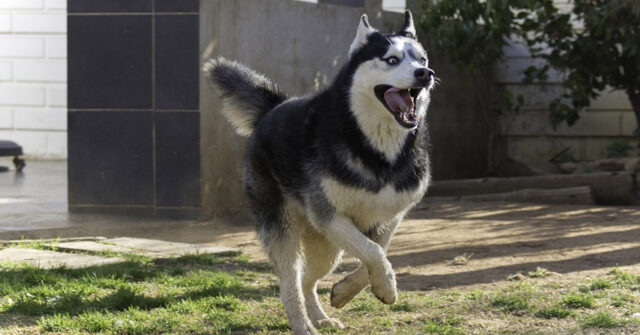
point(208, 294)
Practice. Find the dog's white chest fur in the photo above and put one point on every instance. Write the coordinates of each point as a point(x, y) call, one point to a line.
point(367, 208)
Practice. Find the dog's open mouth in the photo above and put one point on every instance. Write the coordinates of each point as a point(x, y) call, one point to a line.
point(400, 102)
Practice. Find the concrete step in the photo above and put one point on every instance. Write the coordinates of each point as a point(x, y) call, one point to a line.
point(141, 246)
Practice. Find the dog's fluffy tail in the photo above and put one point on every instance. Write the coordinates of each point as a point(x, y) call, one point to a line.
point(246, 95)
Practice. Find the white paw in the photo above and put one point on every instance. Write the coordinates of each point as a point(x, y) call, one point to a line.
point(383, 287)
point(330, 322)
point(344, 291)
point(305, 329)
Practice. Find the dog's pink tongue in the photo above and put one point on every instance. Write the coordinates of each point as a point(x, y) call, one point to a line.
point(398, 100)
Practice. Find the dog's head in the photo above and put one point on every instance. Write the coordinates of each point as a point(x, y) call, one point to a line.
point(392, 77)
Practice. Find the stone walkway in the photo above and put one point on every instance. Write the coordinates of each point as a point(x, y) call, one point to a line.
point(78, 253)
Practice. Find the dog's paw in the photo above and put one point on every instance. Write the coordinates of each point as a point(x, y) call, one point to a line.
point(330, 322)
point(384, 287)
point(344, 291)
point(306, 329)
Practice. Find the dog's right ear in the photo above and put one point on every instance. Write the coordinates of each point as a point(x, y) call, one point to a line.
point(364, 30)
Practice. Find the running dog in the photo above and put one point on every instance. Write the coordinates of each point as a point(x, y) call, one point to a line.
point(334, 171)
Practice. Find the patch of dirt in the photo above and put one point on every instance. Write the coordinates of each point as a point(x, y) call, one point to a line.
point(497, 240)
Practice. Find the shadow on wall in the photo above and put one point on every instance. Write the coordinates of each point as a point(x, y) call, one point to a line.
point(301, 46)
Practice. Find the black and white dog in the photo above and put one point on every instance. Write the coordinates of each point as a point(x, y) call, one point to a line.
point(334, 171)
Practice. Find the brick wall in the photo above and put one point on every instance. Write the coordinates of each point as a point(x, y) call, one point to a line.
point(530, 136)
point(33, 75)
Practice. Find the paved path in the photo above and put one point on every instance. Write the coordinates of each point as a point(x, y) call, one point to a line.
point(100, 251)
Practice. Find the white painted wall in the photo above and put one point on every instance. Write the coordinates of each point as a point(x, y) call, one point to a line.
point(388, 5)
point(530, 136)
point(33, 76)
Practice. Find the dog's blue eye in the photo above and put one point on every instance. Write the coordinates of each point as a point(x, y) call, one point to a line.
point(392, 60)
point(423, 61)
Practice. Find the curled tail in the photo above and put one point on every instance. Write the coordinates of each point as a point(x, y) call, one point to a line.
point(246, 95)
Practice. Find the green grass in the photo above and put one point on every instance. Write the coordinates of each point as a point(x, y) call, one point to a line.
point(625, 279)
point(36, 244)
point(558, 312)
point(599, 284)
point(511, 303)
point(601, 320)
point(576, 300)
point(539, 273)
point(403, 306)
point(139, 297)
point(515, 299)
point(230, 294)
point(447, 326)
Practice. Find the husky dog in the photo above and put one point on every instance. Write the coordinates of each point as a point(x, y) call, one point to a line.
point(334, 171)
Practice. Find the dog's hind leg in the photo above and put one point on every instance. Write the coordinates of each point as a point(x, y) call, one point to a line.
point(281, 242)
point(320, 257)
point(287, 260)
point(353, 283)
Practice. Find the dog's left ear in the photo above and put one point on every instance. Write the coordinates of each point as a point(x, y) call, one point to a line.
point(408, 29)
point(362, 36)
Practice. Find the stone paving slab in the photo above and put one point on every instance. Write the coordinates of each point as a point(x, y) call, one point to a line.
point(157, 248)
point(50, 259)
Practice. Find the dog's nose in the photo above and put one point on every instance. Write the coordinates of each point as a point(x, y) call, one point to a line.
point(424, 74)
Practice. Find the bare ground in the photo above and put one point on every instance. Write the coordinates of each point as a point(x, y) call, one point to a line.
point(496, 239)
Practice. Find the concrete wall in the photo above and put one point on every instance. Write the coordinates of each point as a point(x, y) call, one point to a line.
point(301, 46)
point(529, 135)
point(33, 75)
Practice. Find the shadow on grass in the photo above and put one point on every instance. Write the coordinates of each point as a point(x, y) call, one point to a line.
point(41, 292)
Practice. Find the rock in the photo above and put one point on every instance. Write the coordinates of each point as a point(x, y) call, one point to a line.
point(611, 165)
point(569, 167)
point(51, 259)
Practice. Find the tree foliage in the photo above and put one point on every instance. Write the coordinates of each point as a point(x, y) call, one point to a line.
point(595, 45)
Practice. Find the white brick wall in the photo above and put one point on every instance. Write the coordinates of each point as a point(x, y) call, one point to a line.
point(530, 136)
point(33, 75)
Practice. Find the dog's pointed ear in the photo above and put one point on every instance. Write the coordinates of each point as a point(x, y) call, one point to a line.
point(408, 29)
point(364, 30)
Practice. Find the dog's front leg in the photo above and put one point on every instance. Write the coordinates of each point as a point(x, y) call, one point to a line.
point(345, 235)
point(353, 283)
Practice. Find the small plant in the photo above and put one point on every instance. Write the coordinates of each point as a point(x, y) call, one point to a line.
point(462, 259)
point(576, 300)
point(511, 302)
point(626, 279)
point(475, 295)
point(618, 149)
point(600, 284)
point(37, 244)
point(601, 320)
point(557, 312)
point(539, 273)
point(621, 299)
point(446, 326)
